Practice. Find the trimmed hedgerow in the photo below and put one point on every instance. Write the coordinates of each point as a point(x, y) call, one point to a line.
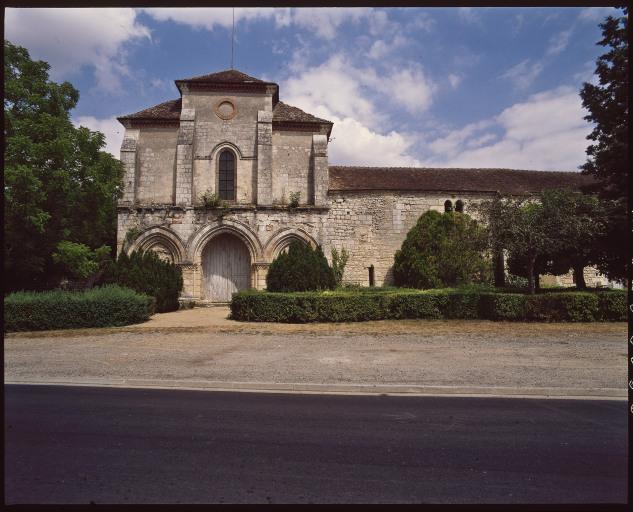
point(56, 309)
point(345, 306)
point(612, 305)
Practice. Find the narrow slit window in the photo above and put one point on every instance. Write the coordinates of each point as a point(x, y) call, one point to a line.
point(227, 176)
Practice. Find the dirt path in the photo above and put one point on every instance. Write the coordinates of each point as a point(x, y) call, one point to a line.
point(191, 348)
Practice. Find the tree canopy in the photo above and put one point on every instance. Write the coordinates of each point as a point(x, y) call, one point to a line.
point(442, 249)
point(608, 156)
point(59, 184)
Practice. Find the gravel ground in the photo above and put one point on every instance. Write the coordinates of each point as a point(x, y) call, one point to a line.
point(202, 345)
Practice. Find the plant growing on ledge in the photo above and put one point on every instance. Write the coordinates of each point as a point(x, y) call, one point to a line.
point(211, 200)
point(294, 199)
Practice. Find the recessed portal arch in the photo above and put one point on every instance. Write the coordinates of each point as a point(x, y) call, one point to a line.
point(226, 267)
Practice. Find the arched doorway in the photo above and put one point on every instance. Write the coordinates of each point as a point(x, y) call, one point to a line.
point(226, 267)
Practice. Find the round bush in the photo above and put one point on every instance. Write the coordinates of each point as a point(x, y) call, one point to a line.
point(301, 268)
point(442, 250)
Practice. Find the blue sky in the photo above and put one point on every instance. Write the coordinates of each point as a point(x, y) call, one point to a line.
point(449, 87)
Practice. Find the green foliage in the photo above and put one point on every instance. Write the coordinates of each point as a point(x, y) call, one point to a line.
point(294, 199)
point(612, 305)
point(442, 250)
point(561, 307)
point(78, 261)
point(346, 306)
point(301, 268)
point(211, 200)
point(339, 260)
point(56, 309)
point(608, 156)
point(59, 185)
point(146, 273)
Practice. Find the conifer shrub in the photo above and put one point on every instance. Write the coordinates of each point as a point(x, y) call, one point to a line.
point(106, 306)
point(301, 268)
point(442, 250)
point(145, 272)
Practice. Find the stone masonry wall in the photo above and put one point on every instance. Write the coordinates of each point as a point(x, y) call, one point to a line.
point(292, 166)
point(239, 133)
point(156, 161)
point(372, 225)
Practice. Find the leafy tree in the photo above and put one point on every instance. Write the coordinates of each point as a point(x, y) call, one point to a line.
point(577, 223)
point(301, 268)
point(339, 260)
point(59, 185)
point(524, 228)
point(442, 250)
point(78, 261)
point(608, 157)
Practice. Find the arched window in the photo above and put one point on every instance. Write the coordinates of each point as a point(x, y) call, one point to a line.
point(459, 206)
point(448, 206)
point(226, 175)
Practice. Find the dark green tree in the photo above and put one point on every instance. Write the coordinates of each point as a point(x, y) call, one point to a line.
point(442, 250)
point(145, 272)
point(58, 185)
point(301, 268)
point(608, 156)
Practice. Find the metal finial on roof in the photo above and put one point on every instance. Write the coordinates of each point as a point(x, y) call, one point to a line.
point(232, 37)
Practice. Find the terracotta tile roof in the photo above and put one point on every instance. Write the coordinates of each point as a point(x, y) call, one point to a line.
point(286, 113)
point(228, 76)
point(167, 110)
point(504, 181)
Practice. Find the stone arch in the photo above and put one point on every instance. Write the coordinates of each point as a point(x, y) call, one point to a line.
point(217, 149)
point(198, 241)
point(159, 237)
point(282, 238)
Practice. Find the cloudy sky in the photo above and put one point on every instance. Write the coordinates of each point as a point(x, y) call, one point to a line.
point(450, 87)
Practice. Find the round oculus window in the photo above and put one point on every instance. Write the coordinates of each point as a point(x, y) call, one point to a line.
point(225, 110)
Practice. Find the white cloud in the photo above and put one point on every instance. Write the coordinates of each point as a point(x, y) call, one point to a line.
point(209, 18)
point(381, 48)
point(545, 132)
point(598, 14)
point(324, 22)
point(69, 39)
point(454, 80)
point(469, 15)
point(355, 144)
point(356, 101)
point(524, 73)
point(558, 43)
point(110, 127)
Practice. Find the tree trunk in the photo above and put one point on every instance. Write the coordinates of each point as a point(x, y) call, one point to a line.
point(531, 275)
point(579, 273)
point(500, 277)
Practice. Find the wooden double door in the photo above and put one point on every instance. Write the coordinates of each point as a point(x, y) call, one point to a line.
point(226, 267)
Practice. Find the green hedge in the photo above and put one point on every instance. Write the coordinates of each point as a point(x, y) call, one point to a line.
point(99, 307)
point(346, 306)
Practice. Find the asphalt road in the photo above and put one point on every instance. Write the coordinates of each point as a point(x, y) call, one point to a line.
point(101, 445)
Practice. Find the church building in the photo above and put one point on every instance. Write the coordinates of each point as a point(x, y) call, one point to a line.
point(221, 180)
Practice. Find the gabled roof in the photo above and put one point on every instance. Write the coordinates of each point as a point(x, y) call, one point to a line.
point(228, 76)
point(286, 113)
point(504, 181)
point(169, 110)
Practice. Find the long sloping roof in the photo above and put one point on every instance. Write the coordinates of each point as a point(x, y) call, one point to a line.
point(168, 110)
point(228, 76)
point(287, 113)
point(504, 181)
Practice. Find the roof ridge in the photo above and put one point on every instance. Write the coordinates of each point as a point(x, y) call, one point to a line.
point(368, 167)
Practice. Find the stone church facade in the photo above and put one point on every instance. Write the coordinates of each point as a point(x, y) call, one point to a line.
point(263, 166)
